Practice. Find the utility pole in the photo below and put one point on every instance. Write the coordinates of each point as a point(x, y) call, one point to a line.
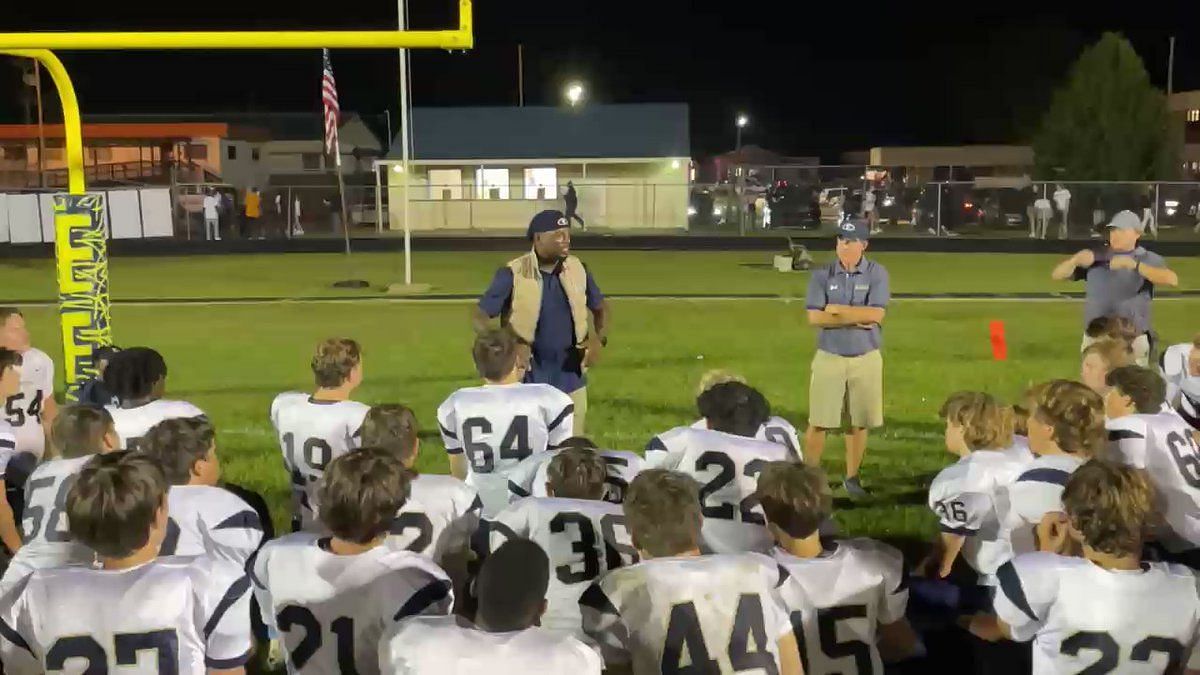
point(1171, 68)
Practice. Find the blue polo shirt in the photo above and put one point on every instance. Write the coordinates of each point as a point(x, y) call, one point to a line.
point(865, 286)
point(1124, 293)
point(556, 361)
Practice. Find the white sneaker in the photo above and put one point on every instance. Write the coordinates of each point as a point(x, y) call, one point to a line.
point(951, 233)
point(932, 231)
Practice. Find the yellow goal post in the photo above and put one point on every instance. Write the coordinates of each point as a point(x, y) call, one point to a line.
point(80, 246)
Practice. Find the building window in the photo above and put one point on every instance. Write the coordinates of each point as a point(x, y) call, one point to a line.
point(104, 154)
point(541, 183)
point(445, 184)
point(231, 152)
point(1193, 116)
point(311, 161)
point(197, 151)
point(491, 183)
point(254, 155)
point(14, 152)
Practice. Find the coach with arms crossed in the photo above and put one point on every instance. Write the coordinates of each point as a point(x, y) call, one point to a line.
point(1120, 280)
point(550, 300)
point(846, 301)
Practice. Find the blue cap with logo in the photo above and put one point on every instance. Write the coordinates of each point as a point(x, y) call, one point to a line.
point(854, 229)
point(546, 221)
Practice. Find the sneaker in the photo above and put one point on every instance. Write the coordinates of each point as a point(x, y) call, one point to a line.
point(855, 489)
point(951, 233)
point(932, 231)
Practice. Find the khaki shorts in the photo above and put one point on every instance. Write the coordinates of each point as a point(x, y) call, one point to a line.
point(852, 384)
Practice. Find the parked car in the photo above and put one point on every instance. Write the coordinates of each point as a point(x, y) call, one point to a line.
point(794, 205)
point(958, 207)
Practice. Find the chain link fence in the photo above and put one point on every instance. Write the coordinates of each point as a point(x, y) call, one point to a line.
point(797, 201)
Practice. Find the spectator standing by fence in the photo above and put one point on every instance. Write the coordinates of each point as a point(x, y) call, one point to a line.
point(294, 230)
point(212, 216)
point(1121, 279)
point(1149, 222)
point(253, 211)
point(1044, 211)
point(1062, 201)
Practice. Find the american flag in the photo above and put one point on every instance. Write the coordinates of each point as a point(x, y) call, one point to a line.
point(329, 98)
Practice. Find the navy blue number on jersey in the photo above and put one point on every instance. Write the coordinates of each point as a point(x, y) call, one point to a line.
point(614, 485)
point(297, 617)
point(726, 475)
point(417, 521)
point(615, 553)
point(17, 413)
point(827, 632)
point(37, 513)
point(515, 444)
point(127, 646)
point(1110, 651)
point(748, 647)
point(317, 453)
point(1186, 455)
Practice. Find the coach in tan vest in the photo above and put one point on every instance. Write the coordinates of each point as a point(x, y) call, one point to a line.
point(549, 299)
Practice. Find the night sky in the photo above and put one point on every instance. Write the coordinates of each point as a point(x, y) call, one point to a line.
point(814, 79)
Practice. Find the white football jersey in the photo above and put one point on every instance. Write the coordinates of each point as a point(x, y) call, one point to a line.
point(848, 591)
point(1163, 445)
point(530, 477)
point(23, 410)
point(312, 434)
point(212, 521)
point(8, 445)
point(330, 610)
point(1183, 388)
point(497, 426)
point(1036, 492)
point(727, 467)
point(967, 499)
point(718, 613)
point(170, 615)
point(133, 423)
point(47, 541)
point(583, 539)
point(775, 429)
point(438, 518)
point(438, 645)
point(1084, 618)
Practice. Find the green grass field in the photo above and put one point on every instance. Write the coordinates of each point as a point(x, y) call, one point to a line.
point(231, 359)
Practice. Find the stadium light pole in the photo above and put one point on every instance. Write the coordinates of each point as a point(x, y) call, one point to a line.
point(574, 93)
point(741, 122)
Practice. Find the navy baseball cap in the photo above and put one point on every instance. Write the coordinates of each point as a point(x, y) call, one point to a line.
point(546, 221)
point(854, 229)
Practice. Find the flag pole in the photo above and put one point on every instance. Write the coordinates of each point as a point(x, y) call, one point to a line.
point(337, 151)
point(330, 127)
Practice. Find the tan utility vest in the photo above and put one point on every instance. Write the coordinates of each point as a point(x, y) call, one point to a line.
point(526, 303)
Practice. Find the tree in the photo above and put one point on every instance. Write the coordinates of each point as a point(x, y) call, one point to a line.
point(1107, 122)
